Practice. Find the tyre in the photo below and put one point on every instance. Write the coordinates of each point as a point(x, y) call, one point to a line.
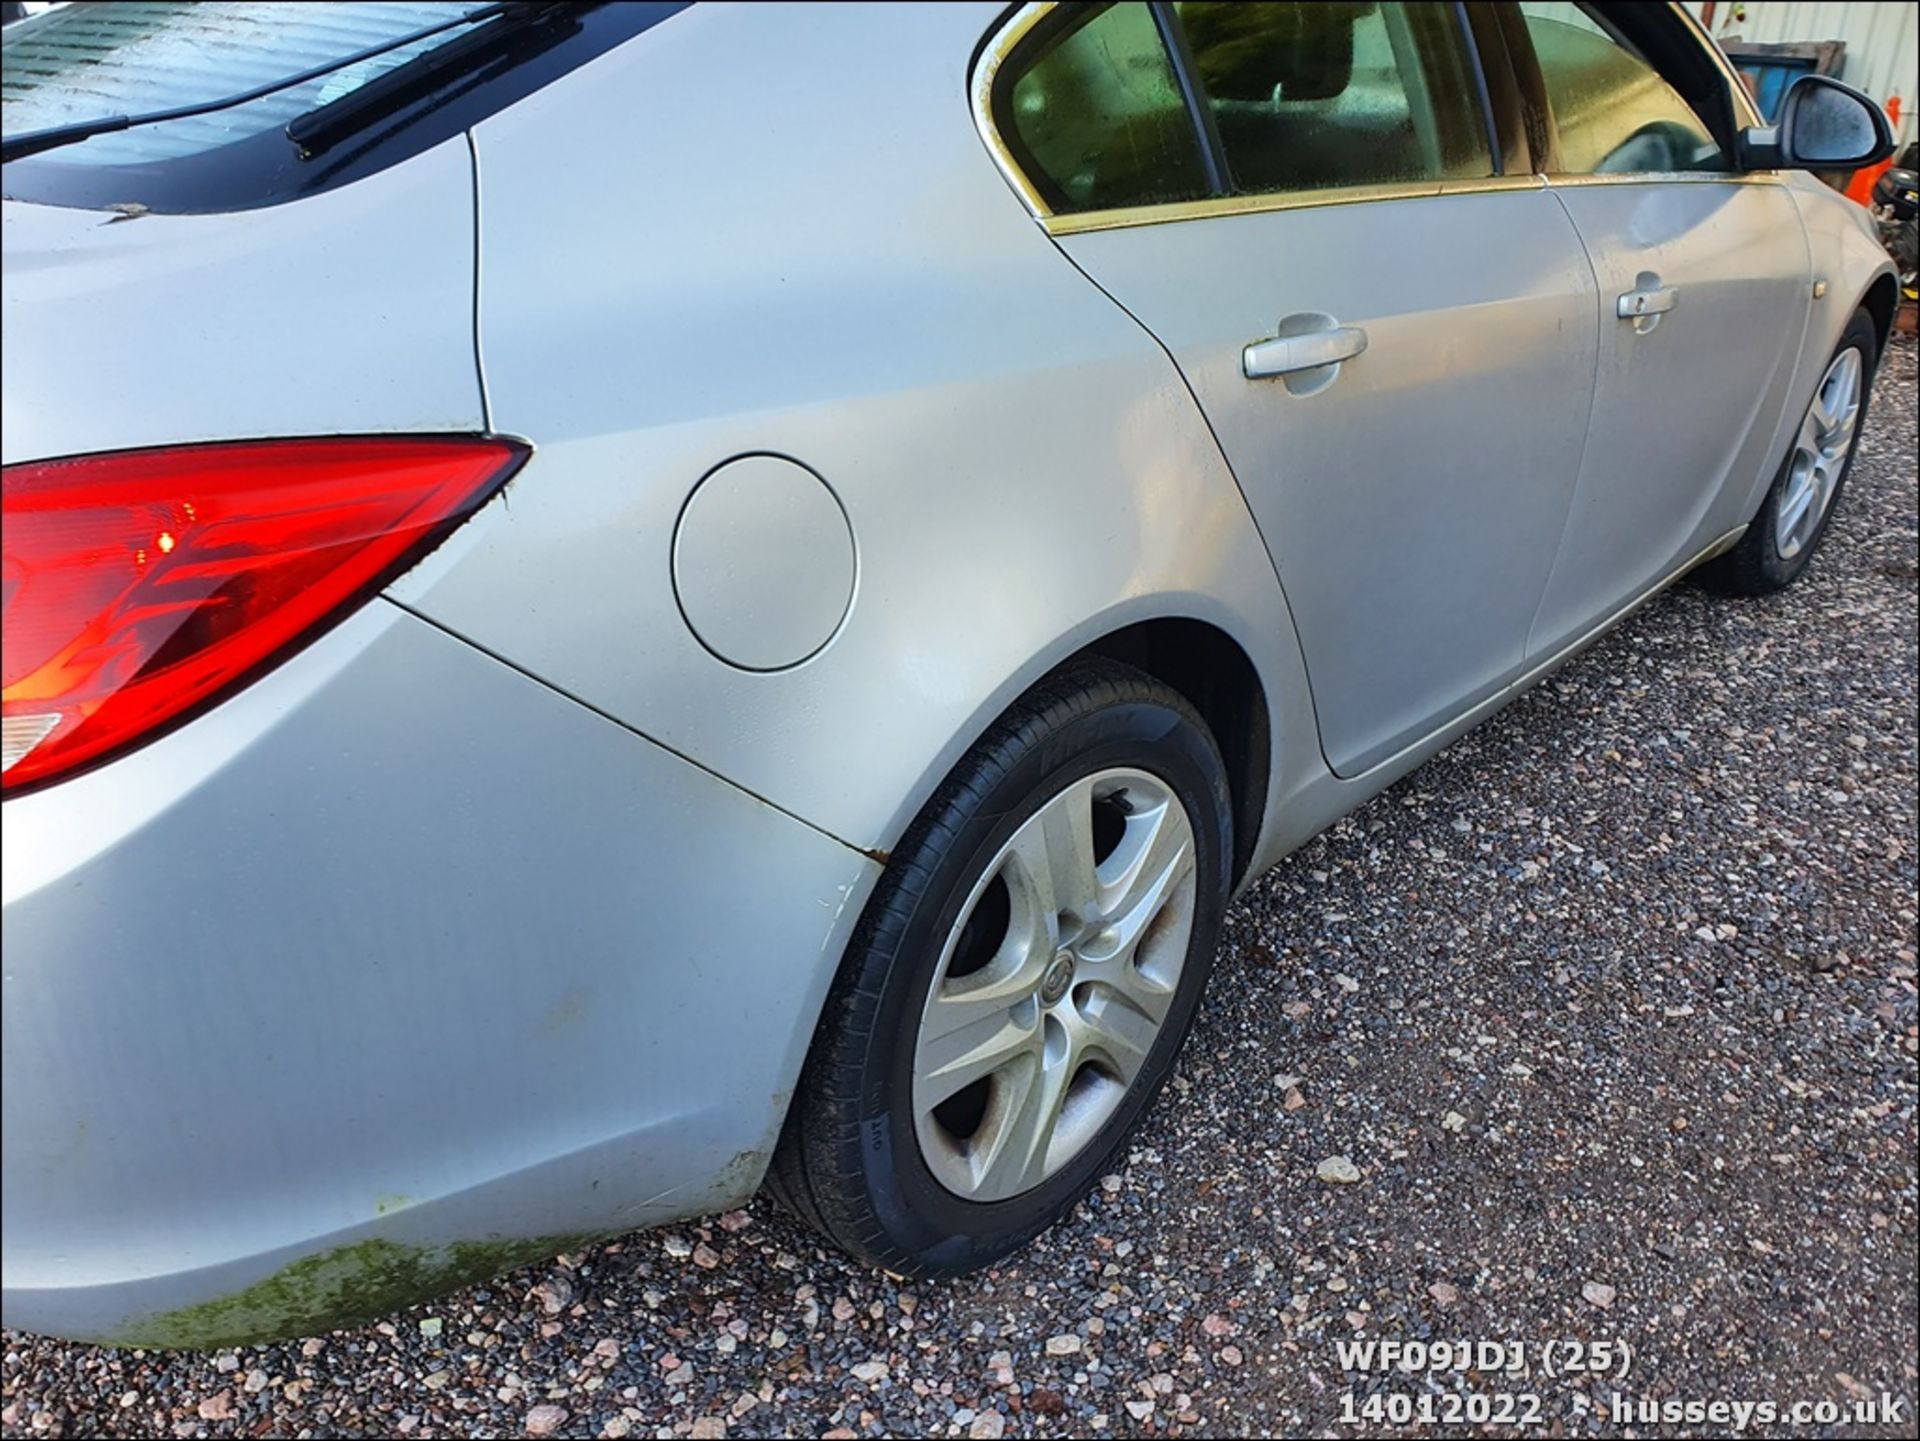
point(1793, 518)
point(1020, 982)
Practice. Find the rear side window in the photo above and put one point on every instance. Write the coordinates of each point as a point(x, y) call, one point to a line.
point(80, 62)
point(1107, 107)
point(1613, 112)
point(1096, 119)
point(1314, 96)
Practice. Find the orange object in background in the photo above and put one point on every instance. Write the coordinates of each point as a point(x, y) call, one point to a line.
point(1860, 188)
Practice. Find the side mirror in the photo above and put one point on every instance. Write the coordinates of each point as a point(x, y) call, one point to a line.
point(1824, 125)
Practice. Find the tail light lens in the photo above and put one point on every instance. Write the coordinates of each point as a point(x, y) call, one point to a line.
point(142, 586)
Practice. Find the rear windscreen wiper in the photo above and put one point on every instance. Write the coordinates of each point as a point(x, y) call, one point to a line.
point(53, 137)
point(327, 125)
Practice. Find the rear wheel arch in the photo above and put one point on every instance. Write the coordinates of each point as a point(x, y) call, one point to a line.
point(854, 1160)
point(1218, 678)
point(1243, 701)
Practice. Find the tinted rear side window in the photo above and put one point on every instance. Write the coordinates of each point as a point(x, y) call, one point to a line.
point(1096, 118)
point(1320, 95)
point(94, 58)
point(1107, 107)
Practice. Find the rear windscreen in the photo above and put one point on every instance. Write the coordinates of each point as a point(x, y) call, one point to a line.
point(78, 62)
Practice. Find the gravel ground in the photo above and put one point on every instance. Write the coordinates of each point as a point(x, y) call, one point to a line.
point(1611, 1008)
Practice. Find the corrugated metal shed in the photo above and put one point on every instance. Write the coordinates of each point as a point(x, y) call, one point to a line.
point(1883, 40)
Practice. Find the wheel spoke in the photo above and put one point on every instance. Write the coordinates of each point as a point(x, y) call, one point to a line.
point(1121, 1024)
point(947, 1064)
point(1796, 502)
point(1811, 430)
point(1828, 480)
point(1824, 414)
point(1009, 976)
point(1053, 853)
point(1013, 1155)
point(1033, 925)
point(1147, 868)
point(1840, 435)
point(1842, 387)
point(957, 1006)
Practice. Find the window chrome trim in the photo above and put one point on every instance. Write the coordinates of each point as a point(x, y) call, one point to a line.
point(998, 47)
point(1220, 205)
point(1020, 24)
point(1664, 177)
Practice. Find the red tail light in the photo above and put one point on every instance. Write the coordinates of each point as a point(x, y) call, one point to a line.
point(141, 586)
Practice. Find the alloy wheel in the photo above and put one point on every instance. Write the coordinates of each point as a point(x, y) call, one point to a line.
point(1819, 454)
point(1053, 984)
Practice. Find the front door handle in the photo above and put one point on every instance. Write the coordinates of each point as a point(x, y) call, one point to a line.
point(1636, 303)
point(1645, 303)
point(1291, 354)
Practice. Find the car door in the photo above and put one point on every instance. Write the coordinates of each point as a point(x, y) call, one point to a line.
point(1704, 289)
point(1393, 341)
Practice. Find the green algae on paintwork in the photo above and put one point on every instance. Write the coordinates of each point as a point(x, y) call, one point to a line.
point(348, 1286)
point(392, 1201)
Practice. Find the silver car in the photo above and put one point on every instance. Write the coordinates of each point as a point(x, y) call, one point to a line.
point(607, 604)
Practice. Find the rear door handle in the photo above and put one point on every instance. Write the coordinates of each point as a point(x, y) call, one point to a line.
point(1654, 300)
point(1291, 354)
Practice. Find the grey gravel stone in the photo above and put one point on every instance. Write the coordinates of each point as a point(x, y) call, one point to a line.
point(1337, 1171)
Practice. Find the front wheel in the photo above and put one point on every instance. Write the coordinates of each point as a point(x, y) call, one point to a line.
point(1020, 982)
point(1793, 518)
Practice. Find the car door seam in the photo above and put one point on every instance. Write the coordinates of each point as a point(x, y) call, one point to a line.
point(479, 357)
point(1586, 439)
point(1239, 488)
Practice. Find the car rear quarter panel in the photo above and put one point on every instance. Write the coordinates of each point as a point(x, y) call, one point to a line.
point(350, 311)
point(823, 263)
point(394, 970)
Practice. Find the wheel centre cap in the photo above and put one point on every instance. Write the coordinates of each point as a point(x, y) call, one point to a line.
point(1059, 975)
